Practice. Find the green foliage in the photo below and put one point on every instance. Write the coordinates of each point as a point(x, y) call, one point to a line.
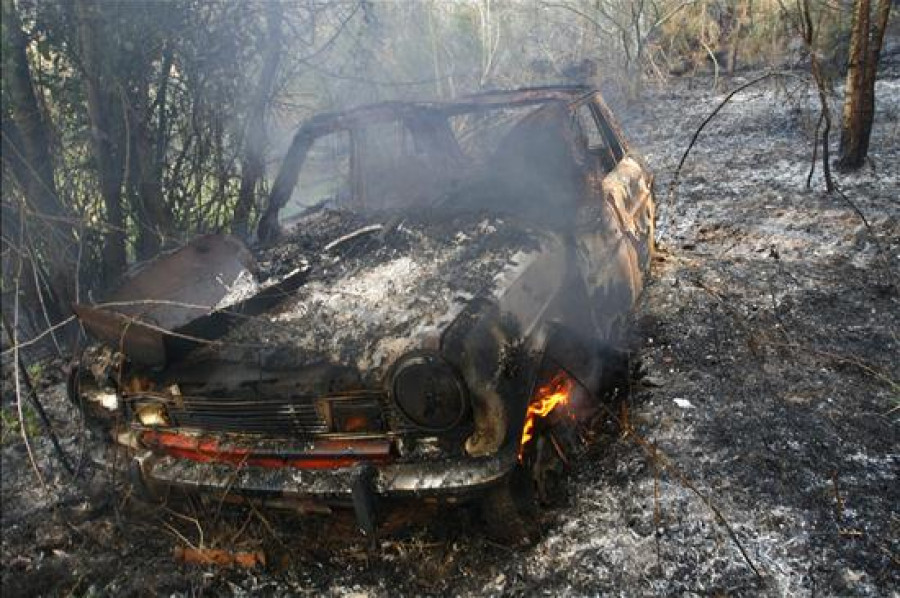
point(11, 430)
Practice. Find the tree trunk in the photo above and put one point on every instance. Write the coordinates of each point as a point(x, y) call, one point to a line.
point(153, 217)
point(740, 18)
point(107, 134)
point(253, 164)
point(26, 150)
point(859, 95)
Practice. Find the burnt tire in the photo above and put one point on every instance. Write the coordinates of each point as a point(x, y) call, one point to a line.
point(550, 474)
point(510, 511)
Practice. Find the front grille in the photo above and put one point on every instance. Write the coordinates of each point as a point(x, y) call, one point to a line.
point(294, 417)
point(290, 417)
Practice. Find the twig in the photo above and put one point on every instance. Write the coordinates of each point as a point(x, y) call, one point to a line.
point(17, 375)
point(243, 527)
point(808, 33)
point(374, 228)
point(39, 407)
point(266, 523)
point(837, 190)
point(670, 196)
point(178, 534)
point(893, 384)
point(653, 451)
point(812, 163)
point(712, 56)
point(231, 480)
point(189, 519)
point(40, 294)
point(37, 338)
point(712, 115)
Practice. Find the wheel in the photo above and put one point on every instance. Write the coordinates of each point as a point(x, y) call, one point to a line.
point(549, 470)
point(509, 509)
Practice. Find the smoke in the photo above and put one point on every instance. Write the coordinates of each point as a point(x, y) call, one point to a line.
point(519, 161)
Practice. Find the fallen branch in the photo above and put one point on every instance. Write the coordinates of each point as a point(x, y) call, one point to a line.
point(33, 340)
point(374, 228)
point(709, 118)
point(219, 557)
point(659, 458)
point(670, 196)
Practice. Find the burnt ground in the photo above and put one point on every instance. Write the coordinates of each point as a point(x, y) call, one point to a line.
point(768, 344)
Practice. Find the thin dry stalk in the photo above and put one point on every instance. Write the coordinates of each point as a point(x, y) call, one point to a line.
point(44, 312)
point(17, 376)
point(815, 153)
point(189, 519)
point(32, 396)
point(177, 534)
point(671, 197)
point(266, 524)
point(21, 345)
point(231, 480)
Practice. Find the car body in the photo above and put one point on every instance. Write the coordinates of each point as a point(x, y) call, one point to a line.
point(388, 336)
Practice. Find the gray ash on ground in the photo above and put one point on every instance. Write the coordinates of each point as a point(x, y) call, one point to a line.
point(772, 318)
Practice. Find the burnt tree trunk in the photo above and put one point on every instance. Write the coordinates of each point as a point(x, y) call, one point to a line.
point(27, 153)
point(107, 134)
point(152, 214)
point(859, 96)
point(252, 163)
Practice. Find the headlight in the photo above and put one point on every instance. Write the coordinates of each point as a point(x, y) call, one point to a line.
point(428, 392)
point(152, 414)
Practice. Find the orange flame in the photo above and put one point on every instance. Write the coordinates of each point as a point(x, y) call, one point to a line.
point(547, 398)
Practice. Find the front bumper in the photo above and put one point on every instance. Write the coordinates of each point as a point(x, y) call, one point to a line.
point(448, 478)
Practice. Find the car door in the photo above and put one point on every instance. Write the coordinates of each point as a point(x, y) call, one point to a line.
point(614, 231)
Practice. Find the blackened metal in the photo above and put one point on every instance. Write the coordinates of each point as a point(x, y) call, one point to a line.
point(363, 491)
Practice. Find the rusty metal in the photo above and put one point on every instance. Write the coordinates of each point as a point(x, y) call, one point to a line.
point(166, 294)
point(177, 287)
point(162, 328)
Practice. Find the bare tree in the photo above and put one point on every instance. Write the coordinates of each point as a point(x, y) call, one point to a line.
point(859, 99)
point(106, 134)
point(252, 164)
point(27, 152)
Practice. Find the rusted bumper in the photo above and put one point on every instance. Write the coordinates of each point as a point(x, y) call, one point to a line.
point(448, 478)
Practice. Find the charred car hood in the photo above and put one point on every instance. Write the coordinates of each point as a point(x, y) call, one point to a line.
point(342, 288)
point(382, 285)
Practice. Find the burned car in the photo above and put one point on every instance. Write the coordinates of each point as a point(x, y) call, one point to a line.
point(435, 291)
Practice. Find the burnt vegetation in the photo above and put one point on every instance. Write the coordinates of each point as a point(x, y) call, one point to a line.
point(219, 272)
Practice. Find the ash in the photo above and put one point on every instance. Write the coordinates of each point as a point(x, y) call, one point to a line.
point(771, 310)
point(382, 283)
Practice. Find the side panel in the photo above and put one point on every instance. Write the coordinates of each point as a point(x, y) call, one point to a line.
point(614, 240)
